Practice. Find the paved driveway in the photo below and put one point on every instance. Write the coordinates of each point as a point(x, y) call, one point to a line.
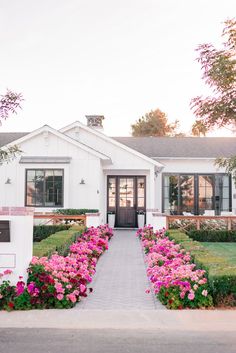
point(114, 341)
point(121, 280)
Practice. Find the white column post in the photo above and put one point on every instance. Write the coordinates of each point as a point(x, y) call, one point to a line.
point(17, 253)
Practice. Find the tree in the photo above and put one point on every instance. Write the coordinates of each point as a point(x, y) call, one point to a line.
point(199, 129)
point(9, 104)
point(154, 123)
point(219, 73)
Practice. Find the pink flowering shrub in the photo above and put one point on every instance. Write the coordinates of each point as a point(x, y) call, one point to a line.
point(175, 280)
point(58, 281)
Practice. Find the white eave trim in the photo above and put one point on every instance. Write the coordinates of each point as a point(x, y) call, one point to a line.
point(44, 160)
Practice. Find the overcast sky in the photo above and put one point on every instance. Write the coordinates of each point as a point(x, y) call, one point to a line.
point(119, 58)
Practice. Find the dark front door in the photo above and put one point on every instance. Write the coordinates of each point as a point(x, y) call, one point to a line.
point(126, 211)
point(126, 196)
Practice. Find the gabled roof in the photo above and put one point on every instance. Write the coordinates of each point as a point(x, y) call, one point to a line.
point(46, 129)
point(151, 147)
point(8, 137)
point(182, 147)
point(111, 140)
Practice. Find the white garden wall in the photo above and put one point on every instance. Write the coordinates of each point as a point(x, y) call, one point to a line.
point(17, 254)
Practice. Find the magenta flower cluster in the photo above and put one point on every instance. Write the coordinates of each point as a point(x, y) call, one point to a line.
point(58, 281)
point(174, 277)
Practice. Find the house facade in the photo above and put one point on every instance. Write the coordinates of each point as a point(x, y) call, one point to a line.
point(79, 166)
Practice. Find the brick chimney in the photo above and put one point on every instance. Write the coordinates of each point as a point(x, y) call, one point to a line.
point(95, 121)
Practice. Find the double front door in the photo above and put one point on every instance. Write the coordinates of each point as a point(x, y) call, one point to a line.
point(126, 198)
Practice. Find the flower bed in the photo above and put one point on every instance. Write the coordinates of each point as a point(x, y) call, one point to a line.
point(175, 280)
point(58, 281)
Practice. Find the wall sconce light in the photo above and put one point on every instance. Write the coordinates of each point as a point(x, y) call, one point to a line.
point(8, 181)
point(82, 182)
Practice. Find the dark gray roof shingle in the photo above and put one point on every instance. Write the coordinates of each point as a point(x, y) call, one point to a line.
point(160, 147)
point(8, 137)
point(186, 147)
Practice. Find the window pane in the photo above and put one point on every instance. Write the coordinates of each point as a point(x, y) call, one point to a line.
point(123, 184)
point(140, 202)
point(112, 202)
point(39, 199)
point(171, 194)
point(39, 185)
point(39, 174)
point(140, 192)
point(130, 192)
point(58, 172)
point(130, 202)
point(225, 205)
point(130, 182)
point(205, 193)
point(225, 180)
point(112, 183)
point(141, 183)
point(122, 202)
point(141, 188)
point(166, 180)
point(225, 193)
point(49, 173)
point(30, 175)
point(166, 192)
point(187, 193)
point(111, 192)
point(222, 192)
point(44, 187)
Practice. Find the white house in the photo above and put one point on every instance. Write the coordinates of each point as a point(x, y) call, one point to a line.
point(79, 166)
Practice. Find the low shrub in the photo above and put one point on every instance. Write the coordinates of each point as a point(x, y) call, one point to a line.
point(75, 211)
point(206, 224)
point(213, 235)
point(221, 275)
point(59, 242)
point(43, 231)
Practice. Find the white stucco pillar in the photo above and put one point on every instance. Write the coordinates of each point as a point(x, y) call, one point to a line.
point(159, 221)
point(17, 253)
point(93, 219)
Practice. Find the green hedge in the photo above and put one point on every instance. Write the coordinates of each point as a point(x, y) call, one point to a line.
point(75, 211)
point(221, 274)
point(213, 235)
point(43, 231)
point(59, 242)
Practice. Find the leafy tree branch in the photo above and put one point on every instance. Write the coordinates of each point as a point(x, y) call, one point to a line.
point(9, 104)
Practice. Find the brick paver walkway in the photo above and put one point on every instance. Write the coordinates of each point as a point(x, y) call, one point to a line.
point(121, 280)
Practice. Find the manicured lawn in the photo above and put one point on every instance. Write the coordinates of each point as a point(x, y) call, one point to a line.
point(225, 250)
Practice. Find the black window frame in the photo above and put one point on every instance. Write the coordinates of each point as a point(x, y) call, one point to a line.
point(196, 190)
point(44, 170)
